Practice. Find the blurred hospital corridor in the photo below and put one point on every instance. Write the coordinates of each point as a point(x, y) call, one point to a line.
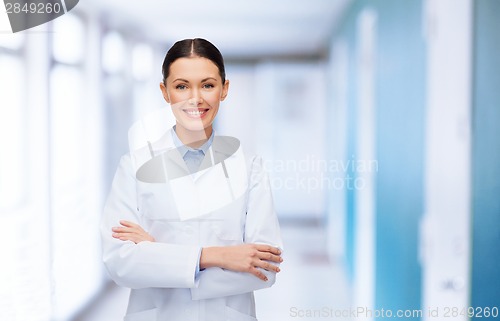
point(378, 123)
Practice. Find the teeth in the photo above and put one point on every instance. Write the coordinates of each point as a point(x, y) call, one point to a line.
point(195, 112)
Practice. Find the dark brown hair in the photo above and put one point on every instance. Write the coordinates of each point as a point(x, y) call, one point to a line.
point(193, 48)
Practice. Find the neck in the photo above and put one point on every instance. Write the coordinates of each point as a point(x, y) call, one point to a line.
point(193, 139)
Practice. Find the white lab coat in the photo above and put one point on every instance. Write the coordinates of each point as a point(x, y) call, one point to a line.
point(161, 274)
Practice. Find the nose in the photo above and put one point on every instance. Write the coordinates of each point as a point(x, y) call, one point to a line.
point(196, 98)
point(195, 101)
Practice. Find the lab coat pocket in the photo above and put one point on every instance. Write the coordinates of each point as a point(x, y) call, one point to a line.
point(147, 315)
point(235, 315)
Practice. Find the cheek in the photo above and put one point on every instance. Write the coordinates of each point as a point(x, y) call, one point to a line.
point(176, 97)
point(212, 98)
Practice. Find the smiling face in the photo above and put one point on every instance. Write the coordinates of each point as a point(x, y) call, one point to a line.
point(194, 89)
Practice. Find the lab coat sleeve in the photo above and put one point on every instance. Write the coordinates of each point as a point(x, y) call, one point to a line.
point(261, 227)
point(146, 264)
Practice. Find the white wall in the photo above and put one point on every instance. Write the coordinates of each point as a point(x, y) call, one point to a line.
point(446, 223)
point(278, 111)
point(365, 240)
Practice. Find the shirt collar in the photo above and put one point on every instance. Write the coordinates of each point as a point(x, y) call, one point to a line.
point(183, 149)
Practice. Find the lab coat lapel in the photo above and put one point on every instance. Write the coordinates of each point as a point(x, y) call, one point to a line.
point(209, 189)
point(159, 161)
point(205, 166)
point(222, 148)
point(176, 167)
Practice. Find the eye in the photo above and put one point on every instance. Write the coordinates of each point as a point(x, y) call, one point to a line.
point(181, 87)
point(208, 86)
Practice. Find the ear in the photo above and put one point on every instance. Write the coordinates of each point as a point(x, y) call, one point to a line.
point(225, 89)
point(164, 92)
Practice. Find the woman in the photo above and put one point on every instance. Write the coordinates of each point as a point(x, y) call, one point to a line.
point(212, 234)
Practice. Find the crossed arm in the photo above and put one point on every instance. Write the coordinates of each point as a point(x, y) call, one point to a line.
point(239, 258)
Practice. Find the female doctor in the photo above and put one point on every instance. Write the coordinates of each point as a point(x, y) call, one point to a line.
point(212, 234)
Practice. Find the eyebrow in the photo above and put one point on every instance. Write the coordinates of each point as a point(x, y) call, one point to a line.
point(187, 81)
point(180, 79)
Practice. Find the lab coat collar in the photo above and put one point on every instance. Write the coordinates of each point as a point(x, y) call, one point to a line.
point(183, 149)
point(167, 162)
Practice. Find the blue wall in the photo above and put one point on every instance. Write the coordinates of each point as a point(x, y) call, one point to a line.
point(400, 142)
point(400, 104)
point(350, 34)
point(486, 156)
point(400, 116)
point(347, 32)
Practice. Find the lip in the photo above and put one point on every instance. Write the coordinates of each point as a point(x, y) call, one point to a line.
point(196, 113)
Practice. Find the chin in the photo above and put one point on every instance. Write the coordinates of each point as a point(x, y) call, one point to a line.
point(194, 126)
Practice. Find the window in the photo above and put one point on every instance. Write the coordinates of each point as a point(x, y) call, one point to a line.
point(142, 62)
point(147, 95)
point(75, 183)
point(50, 175)
point(12, 130)
point(114, 53)
point(24, 275)
point(69, 39)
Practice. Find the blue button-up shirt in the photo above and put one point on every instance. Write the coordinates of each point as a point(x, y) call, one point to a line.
point(192, 156)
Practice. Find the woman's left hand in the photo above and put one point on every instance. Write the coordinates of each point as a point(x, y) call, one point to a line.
point(131, 232)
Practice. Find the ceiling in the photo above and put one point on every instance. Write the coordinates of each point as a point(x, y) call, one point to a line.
point(241, 29)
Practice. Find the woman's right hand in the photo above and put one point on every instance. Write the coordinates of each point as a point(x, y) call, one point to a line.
point(242, 258)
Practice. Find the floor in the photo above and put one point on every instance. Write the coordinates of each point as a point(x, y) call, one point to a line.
point(310, 287)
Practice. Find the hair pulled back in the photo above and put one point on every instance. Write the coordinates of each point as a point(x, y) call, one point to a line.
point(197, 47)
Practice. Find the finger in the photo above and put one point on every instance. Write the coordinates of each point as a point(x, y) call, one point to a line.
point(128, 223)
point(268, 266)
point(129, 237)
point(133, 236)
point(119, 229)
point(268, 248)
point(129, 233)
point(270, 257)
point(258, 274)
point(123, 237)
point(122, 234)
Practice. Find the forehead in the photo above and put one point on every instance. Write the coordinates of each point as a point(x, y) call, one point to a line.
point(193, 68)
